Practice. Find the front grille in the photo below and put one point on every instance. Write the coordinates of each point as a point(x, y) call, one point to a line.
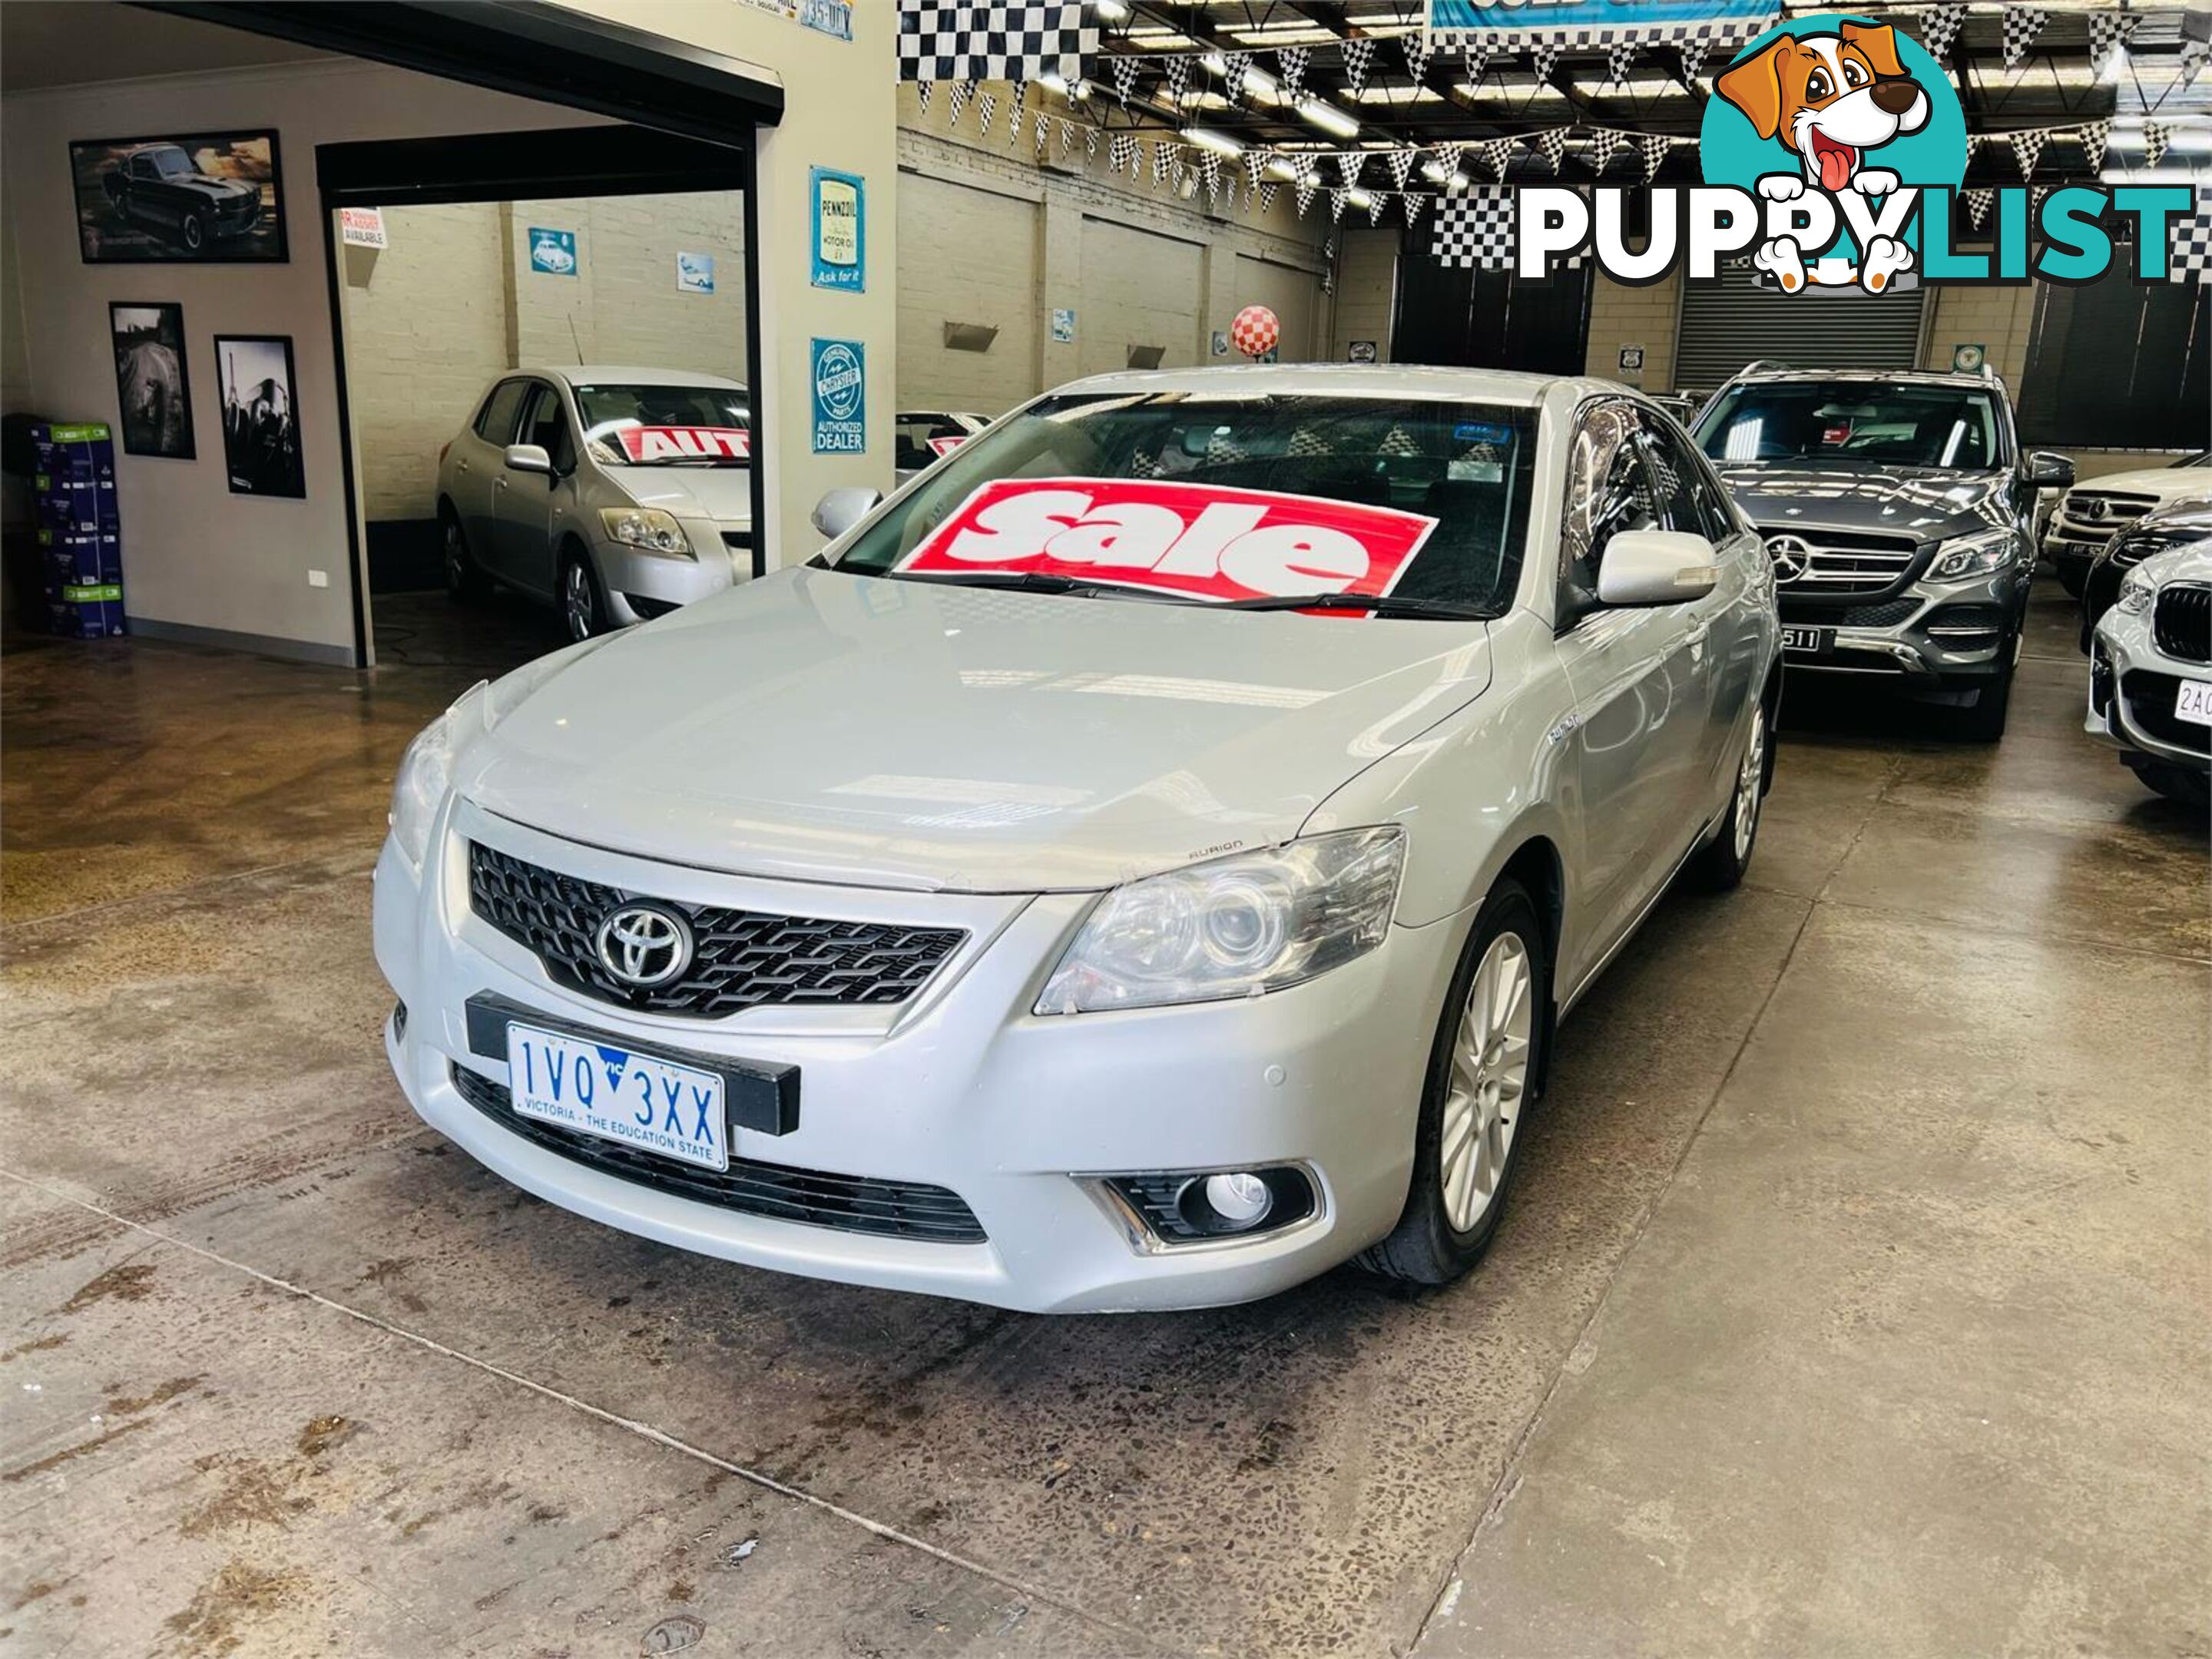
point(1839, 563)
point(1831, 613)
point(2091, 515)
point(740, 959)
point(2181, 622)
point(2150, 706)
point(851, 1204)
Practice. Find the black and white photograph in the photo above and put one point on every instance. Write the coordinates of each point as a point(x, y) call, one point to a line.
point(261, 422)
point(153, 385)
point(204, 198)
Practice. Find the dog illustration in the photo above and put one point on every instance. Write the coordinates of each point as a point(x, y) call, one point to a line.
point(1830, 98)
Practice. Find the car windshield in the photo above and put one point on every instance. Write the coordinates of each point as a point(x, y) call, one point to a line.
point(1952, 427)
point(171, 163)
point(666, 425)
point(1430, 498)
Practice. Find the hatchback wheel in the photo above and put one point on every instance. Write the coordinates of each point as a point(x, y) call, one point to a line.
point(1721, 863)
point(464, 578)
point(582, 609)
point(1482, 1081)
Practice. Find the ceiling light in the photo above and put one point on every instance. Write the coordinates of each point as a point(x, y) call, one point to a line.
point(1206, 138)
point(1329, 118)
point(1113, 11)
point(1358, 198)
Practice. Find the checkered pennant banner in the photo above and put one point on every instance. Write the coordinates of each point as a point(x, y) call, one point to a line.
point(1336, 197)
point(2191, 250)
point(1939, 28)
point(2021, 25)
point(1235, 66)
point(1415, 205)
point(2027, 148)
point(1375, 206)
point(2195, 54)
point(922, 91)
point(1974, 147)
point(1123, 72)
point(1164, 161)
point(1357, 55)
point(1290, 71)
point(1268, 194)
point(1496, 154)
point(2156, 136)
point(1417, 47)
point(1543, 60)
point(992, 40)
point(1044, 138)
point(1706, 34)
point(2108, 29)
point(1348, 163)
point(1475, 231)
point(1068, 137)
point(1605, 144)
point(1015, 116)
point(957, 100)
point(2094, 138)
point(1401, 163)
point(1446, 156)
point(1090, 145)
point(1619, 61)
point(1477, 55)
point(1255, 163)
point(985, 107)
point(1979, 202)
point(1692, 54)
point(1303, 189)
point(1550, 144)
point(1209, 174)
point(1121, 155)
point(1653, 148)
point(1177, 70)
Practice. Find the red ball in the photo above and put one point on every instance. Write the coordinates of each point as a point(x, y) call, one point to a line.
point(1256, 331)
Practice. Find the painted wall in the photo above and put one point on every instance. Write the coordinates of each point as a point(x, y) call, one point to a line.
point(1366, 291)
point(193, 554)
point(1624, 316)
point(969, 252)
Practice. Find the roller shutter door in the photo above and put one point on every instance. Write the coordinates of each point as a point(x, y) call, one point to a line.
point(1732, 321)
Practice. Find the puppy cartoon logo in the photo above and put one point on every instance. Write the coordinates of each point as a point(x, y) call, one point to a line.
point(1834, 105)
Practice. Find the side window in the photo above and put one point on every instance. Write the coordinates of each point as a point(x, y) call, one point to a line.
point(547, 427)
point(911, 438)
point(1608, 491)
point(142, 166)
point(1687, 496)
point(496, 420)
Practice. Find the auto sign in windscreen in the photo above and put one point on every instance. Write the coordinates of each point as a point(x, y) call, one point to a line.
point(1466, 465)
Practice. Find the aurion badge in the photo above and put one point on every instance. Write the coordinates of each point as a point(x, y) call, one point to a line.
point(643, 945)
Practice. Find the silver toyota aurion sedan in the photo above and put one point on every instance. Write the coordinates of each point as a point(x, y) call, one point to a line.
point(617, 494)
point(1142, 864)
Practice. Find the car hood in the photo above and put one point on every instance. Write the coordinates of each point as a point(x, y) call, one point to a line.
point(2167, 483)
point(723, 494)
point(1924, 502)
point(214, 186)
point(821, 726)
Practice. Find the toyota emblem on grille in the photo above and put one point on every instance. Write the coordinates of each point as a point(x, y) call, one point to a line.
point(643, 945)
point(1791, 556)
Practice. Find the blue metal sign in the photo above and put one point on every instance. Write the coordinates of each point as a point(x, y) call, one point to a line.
point(552, 253)
point(840, 231)
point(840, 381)
point(1624, 19)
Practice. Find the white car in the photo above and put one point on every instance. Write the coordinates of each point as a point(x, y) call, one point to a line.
point(921, 436)
point(617, 494)
point(2090, 514)
point(2150, 673)
point(1140, 864)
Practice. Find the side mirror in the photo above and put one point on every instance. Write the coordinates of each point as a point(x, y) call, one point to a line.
point(1657, 567)
point(528, 457)
point(2048, 471)
point(841, 509)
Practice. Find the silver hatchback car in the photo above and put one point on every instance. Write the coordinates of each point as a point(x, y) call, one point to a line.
point(618, 494)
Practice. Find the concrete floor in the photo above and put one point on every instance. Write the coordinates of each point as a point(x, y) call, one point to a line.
point(1854, 1299)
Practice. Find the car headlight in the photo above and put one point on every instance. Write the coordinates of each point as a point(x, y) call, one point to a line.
point(2137, 592)
point(648, 529)
point(1979, 555)
point(1235, 927)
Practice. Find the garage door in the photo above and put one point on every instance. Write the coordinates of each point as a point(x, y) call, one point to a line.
point(965, 256)
point(1288, 292)
point(1139, 289)
point(1732, 321)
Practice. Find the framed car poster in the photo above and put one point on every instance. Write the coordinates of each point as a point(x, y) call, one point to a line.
point(153, 388)
point(198, 198)
point(260, 418)
point(840, 231)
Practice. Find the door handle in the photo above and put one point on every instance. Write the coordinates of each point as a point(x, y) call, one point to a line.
point(499, 483)
point(460, 466)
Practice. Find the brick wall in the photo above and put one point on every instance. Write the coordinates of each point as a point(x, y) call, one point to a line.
point(1624, 316)
point(1366, 291)
point(2000, 319)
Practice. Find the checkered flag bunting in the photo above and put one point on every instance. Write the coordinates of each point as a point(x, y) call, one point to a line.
point(1475, 230)
point(1234, 67)
point(1348, 164)
point(1044, 138)
point(1939, 28)
point(1979, 202)
point(1619, 61)
point(1066, 137)
point(1255, 163)
point(957, 100)
point(1477, 55)
point(1374, 203)
point(1496, 154)
point(1416, 49)
point(1090, 145)
point(1123, 72)
point(1336, 197)
point(2027, 147)
point(1415, 205)
point(2191, 249)
point(1401, 163)
point(922, 91)
point(1177, 70)
point(1290, 71)
point(1268, 194)
point(2156, 136)
point(2195, 54)
point(2094, 138)
point(1605, 144)
point(1164, 161)
point(1543, 60)
point(1974, 147)
point(1121, 155)
point(1302, 189)
point(2108, 29)
point(1550, 144)
point(992, 40)
point(1357, 55)
point(2021, 25)
point(1693, 59)
point(1653, 147)
point(985, 107)
point(1209, 174)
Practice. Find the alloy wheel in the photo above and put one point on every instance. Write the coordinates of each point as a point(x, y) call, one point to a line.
point(457, 558)
point(579, 604)
point(1489, 1080)
point(1748, 778)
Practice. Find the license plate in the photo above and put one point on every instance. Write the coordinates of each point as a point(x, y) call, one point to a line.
point(1809, 641)
point(599, 1089)
point(2192, 702)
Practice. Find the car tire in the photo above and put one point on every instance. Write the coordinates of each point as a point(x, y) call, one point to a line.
point(1478, 1088)
point(1985, 722)
point(583, 607)
point(1720, 864)
point(193, 231)
point(2182, 787)
point(2073, 581)
point(465, 581)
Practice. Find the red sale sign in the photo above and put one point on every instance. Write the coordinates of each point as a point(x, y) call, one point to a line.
point(946, 446)
point(686, 443)
point(1208, 541)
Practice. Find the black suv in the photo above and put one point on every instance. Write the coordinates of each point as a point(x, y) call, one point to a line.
point(1900, 515)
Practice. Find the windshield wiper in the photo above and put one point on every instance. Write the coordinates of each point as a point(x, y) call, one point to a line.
point(1027, 582)
point(1382, 605)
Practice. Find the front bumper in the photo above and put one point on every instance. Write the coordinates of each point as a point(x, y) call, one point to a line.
point(2071, 551)
point(2131, 691)
point(963, 1088)
point(641, 586)
point(1927, 637)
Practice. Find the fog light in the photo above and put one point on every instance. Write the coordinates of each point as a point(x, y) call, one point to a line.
point(1240, 1200)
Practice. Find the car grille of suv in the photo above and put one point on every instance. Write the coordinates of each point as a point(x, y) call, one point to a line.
point(1882, 613)
point(2181, 622)
point(2091, 515)
point(852, 1204)
point(2150, 706)
point(741, 958)
point(1838, 563)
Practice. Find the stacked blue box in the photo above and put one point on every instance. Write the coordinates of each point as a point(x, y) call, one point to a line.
point(80, 529)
